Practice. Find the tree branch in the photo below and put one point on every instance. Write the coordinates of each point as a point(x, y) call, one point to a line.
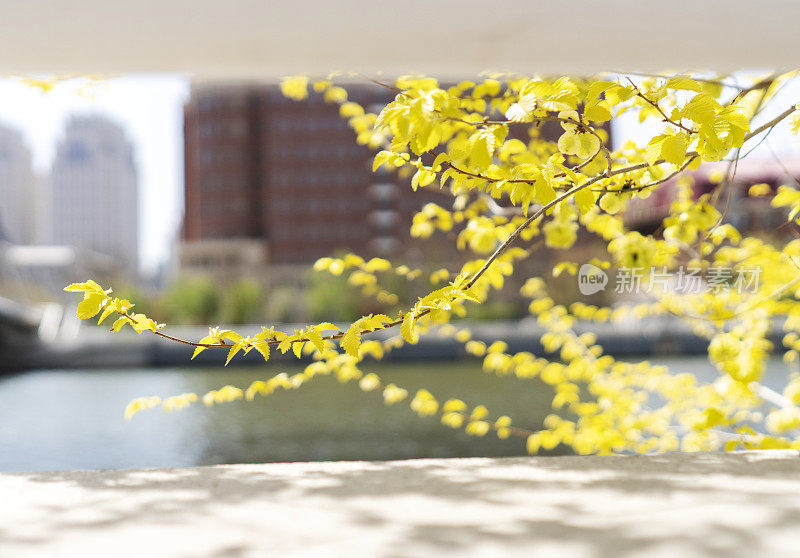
point(512, 237)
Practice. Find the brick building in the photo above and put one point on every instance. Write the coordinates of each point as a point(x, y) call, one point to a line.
point(272, 182)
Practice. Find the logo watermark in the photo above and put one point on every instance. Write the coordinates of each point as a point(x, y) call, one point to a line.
point(684, 280)
point(591, 279)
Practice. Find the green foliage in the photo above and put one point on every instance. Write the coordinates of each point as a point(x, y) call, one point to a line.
point(509, 197)
point(242, 302)
point(331, 298)
point(282, 304)
point(192, 300)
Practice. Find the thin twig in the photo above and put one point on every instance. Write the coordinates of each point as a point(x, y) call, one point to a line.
point(666, 76)
point(655, 105)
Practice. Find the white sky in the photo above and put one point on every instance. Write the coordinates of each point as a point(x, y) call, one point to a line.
point(149, 108)
point(781, 140)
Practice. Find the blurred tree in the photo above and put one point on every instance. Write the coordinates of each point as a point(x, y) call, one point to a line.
point(331, 299)
point(286, 303)
point(242, 302)
point(192, 300)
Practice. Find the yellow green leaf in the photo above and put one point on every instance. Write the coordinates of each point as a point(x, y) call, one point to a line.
point(440, 158)
point(733, 116)
point(297, 348)
point(571, 115)
point(683, 82)
point(585, 200)
point(545, 193)
point(653, 149)
point(407, 327)
point(596, 89)
point(380, 158)
point(482, 147)
point(90, 305)
point(231, 336)
point(517, 113)
point(616, 94)
point(78, 288)
point(335, 95)
point(612, 203)
point(295, 87)
point(348, 110)
point(316, 339)
point(235, 349)
point(702, 109)
point(580, 144)
point(351, 341)
point(673, 148)
point(599, 111)
point(109, 308)
point(794, 122)
point(262, 347)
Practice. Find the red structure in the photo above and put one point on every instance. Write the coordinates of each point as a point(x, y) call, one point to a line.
point(290, 175)
point(272, 183)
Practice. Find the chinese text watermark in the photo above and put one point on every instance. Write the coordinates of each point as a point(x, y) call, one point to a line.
point(683, 280)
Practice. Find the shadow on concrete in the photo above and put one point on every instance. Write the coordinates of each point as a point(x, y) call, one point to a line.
point(725, 505)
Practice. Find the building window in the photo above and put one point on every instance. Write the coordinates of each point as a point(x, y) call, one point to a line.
point(76, 151)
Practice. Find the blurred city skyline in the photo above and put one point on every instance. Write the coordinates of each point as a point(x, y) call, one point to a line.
point(149, 108)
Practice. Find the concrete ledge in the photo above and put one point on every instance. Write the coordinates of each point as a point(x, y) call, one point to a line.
point(449, 38)
point(743, 504)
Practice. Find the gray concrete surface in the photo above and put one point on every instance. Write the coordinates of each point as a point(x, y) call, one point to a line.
point(731, 505)
point(449, 38)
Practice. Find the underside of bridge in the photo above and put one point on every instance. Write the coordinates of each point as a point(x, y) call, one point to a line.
point(447, 38)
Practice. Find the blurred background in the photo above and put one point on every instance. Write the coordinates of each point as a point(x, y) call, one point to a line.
point(206, 202)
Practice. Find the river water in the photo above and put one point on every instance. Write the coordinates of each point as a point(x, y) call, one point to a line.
point(73, 419)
